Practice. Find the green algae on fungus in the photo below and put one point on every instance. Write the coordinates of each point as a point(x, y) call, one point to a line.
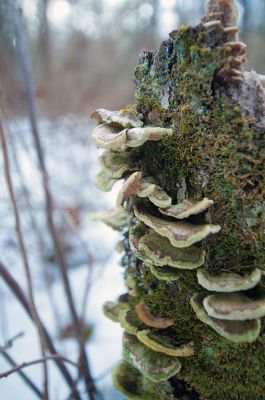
point(104, 182)
point(130, 322)
point(147, 187)
point(187, 208)
point(155, 366)
point(162, 344)
point(180, 234)
point(112, 309)
point(132, 384)
point(155, 193)
point(116, 219)
point(234, 306)
point(143, 313)
point(115, 164)
point(165, 273)
point(160, 252)
point(160, 198)
point(135, 234)
point(228, 281)
point(235, 331)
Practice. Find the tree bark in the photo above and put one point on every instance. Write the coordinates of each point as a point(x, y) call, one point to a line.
point(195, 84)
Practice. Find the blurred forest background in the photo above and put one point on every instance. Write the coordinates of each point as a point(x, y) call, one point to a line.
point(83, 52)
point(59, 61)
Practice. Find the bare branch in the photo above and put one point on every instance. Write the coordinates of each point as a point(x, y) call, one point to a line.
point(89, 257)
point(23, 54)
point(18, 292)
point(22, 249)
point(37, 232)
point(9, 342)
point(38, 361)
point(23, 376)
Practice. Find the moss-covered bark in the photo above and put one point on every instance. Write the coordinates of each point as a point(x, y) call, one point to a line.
point(214, 153)
point(217, 151)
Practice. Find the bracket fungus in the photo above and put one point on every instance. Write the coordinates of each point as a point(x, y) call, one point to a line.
point(136, 137)
point(112, 310)
point(130, 322)
point(180, 234)
point(159, 198)
point(144, 314)
point(136, 232)
point(155, 366)
point(154, 192)
point(194, 138)
point(235, 331)
point(129, 188)
point(187, 208)
point(118, 131)
point(104, 182)
point(135, 386)
point(228, 281)
point(234, 306)
point(165, 273)
point(125, 120)
point(162, 344)
point(147, 187)
point(160, 252)
point(109, 137)
point(116, 219)
point(116, 164)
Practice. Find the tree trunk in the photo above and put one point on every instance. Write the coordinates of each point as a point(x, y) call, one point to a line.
point(190, 332)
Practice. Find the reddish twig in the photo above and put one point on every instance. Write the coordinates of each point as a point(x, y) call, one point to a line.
point(34, 362)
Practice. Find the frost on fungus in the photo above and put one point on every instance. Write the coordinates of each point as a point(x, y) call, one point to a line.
point(191, 152)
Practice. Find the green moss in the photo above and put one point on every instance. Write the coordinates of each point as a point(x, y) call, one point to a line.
point(209, 370)
point(217, 154)
point(213, 153)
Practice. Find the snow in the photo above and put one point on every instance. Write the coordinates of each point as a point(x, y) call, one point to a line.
point(71, 160)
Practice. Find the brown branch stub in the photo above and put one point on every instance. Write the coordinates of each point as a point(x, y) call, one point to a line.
point(9, 342)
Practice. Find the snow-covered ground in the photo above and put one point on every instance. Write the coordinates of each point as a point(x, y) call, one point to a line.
point(71, 160)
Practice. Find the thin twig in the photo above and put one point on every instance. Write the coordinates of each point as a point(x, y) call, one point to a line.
point(90, 261)
point(18, 292)
point(23, 54)
point(9, 342)
point(38, 361)
point(105, 373)
point(38, 234)
point(23, 376)
point(23, 251)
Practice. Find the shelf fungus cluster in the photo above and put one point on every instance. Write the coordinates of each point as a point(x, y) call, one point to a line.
point(222, 17)
point(230, 312)
point(190, 209)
